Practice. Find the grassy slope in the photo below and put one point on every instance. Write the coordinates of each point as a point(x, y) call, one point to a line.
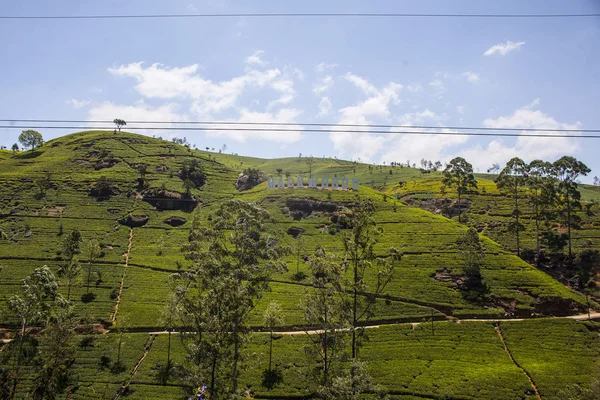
point(428, 240)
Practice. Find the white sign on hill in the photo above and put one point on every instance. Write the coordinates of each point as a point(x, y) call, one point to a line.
point(322, 183)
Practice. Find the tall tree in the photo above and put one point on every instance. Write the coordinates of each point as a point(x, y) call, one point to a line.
point(119, 123)
point(512, 180)
point(71, 249)
point(233, 261)
point(537, 172)
point(567, 170)
point(327, 311)
point(40, 290)
point(54, 374)
point(473, 252)
point(31, 138)
point(15, 147)
point(360, 259)
point(459, 174)
point(272, 318)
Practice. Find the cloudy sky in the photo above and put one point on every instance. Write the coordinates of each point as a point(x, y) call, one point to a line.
point(534, 73)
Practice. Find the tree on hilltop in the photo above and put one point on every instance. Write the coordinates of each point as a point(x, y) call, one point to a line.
point(459, 174)
point(119, 123)
point(15, 148)
point(30, 138)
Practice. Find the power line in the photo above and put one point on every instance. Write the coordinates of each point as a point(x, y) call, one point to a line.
point(479, 128)
point(298, 15)
point(377, 132)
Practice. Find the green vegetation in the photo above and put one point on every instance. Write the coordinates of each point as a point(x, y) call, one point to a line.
point(89, 201)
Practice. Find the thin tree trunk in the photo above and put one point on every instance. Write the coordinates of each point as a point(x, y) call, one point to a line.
point(537, 230)
point(212, 374)
point(517, 218)
point(236, 355)
point(89, 276)
point(18, 369)
point(459, 207)
point(354, 307)
point(270, 350)
point(569, 227)
point(168, 357)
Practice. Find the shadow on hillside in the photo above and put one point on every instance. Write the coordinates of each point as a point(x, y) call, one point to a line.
point(28, 154)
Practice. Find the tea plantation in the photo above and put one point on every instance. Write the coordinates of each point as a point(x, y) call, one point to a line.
point(426, 338)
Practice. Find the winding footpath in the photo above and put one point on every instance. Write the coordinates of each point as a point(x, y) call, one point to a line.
point(113, 318)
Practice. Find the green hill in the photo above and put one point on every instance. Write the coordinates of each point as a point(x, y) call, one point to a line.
point(141, 220)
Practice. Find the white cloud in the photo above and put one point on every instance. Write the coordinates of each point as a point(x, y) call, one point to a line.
point(95, 89)
point(286, 115)
point(208, 97)
point(322, 67)
point(191, 8)
point(140, 111)
point(324, 107)
point(361, 83)
point(323, 85)
point(414, 88)
point(439, 88)
point(460, 109)
point(414, 147)
point(376, 105)
point(503, 48)
point(417, 118)
point(255, 59)
point(526, 147)
point(286, 88)
point(471, 76)
point(78, 103)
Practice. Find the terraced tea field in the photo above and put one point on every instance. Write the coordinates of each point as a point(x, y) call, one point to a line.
point(141, 248)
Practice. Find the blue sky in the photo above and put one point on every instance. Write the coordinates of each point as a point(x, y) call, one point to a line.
point(538, 73)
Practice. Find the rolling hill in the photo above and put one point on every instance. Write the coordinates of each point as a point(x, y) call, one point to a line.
point(142, 215)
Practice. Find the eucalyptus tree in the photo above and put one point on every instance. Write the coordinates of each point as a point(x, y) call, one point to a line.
point(459, 174)
point(71, 249)
point(538, 172)
point(233, 260)
point(39, 292)
point(512, 180)
point(360, 259)
point(329, 313)
point(54, 374)
point(567, 170)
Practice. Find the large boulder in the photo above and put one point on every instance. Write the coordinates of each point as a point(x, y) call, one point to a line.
point(164, 199)
point(135, 221)
point(246, 181)
point(175, 221)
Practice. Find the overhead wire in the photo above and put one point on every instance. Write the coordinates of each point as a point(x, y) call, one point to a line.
point(298, 15)
point(310, 130)
point(313, 124)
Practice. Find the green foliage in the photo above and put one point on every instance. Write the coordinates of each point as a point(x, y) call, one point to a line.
point(232, 263)
point(119, 123)
point(30, 138)
point(459, 174)
point(328, 312)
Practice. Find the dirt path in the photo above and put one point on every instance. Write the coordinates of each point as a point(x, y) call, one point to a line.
point(535, 389)
point(113, 318)
point(300, 331)
point(147, 348)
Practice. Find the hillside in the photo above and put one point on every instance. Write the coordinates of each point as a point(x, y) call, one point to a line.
point(141, 220)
